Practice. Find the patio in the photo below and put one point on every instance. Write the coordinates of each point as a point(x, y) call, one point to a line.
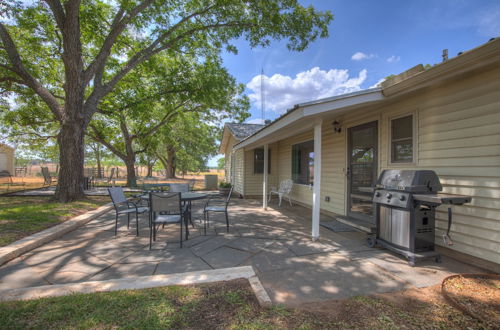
point(277, 243)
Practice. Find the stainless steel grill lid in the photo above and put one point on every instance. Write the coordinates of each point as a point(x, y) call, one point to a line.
point(414, 181)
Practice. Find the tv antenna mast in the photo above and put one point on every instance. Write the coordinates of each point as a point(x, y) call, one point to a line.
point(262, 100)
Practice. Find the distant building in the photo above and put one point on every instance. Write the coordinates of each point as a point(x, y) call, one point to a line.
point(7, 158)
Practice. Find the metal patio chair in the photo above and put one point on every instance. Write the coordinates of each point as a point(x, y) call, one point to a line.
point(217, 205)
point(284, 191)
point(179, 187)
point(166, 208)
point(124, 206)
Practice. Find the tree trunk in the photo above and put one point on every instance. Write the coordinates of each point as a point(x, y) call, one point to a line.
point(131, 176)
point(98, 161)
point(72, 153)
point(170, 168)
point(150, 171)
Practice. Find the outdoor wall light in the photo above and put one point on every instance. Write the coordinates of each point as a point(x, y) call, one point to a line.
point(337, 128)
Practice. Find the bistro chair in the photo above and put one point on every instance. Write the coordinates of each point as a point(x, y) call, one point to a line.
point(166, 208)
point(216, 205)
point(192, 183)
point(47, 178)
point(284, 191)
point(124, 206)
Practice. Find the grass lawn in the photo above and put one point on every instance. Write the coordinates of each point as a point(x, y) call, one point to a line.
point(23, 216)
point(224, 305)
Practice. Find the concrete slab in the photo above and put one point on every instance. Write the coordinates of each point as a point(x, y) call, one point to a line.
point(185, 264)
point(211, 245)
point(225, 257)
point(425, 273)
point(273, 257)
point(125, 271)
point(249, 244)
point(336, 279)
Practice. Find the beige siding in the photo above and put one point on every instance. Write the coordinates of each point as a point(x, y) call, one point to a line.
point(228, 159)
point(253, 182)
point(239, 171)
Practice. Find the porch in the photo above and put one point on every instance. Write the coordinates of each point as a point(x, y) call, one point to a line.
point(276, 242)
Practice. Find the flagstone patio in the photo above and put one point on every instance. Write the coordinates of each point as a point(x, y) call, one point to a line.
point(277, 243)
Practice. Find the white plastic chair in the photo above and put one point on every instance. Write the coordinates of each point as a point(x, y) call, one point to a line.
point(284, 191)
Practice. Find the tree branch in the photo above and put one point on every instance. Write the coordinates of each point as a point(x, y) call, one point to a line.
point(58, 12)
point(29, 80)
point(97, 136)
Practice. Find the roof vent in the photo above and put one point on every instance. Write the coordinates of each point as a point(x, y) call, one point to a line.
point(445, 55)
point(267, 121)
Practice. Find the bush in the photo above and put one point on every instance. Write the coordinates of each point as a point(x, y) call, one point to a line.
point(224, 185)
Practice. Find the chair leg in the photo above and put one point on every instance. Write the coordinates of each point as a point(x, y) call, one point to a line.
point(227, 222)
point(137, 224)
point(290, 201)
point(269, 199)
point(280, 196)
point(150, 235)
point(128, 220)
point(205, 223)
point(182, 219)
point(116, 224)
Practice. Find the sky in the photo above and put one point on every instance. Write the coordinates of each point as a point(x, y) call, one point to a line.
point(368, 40)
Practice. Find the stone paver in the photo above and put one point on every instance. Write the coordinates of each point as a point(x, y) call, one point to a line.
point(276, 243)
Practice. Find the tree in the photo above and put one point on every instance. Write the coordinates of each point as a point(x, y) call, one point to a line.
point(221, 163)
point(187, 144)
point(71, 54)
point(157, 93)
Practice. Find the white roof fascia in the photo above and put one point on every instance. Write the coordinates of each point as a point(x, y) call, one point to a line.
point(371, 95)
point(315, 108)
point(290, 118)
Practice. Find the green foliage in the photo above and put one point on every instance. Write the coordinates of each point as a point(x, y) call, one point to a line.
point(221, 163)
point(223, 184)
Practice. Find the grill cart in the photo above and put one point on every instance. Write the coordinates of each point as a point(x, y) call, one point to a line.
point(405, 209)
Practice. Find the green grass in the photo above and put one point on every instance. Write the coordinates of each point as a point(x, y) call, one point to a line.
point(223, 305)
point(23, 216)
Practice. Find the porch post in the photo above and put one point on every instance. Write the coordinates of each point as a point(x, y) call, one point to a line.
point(317, 181)
point(264, 184)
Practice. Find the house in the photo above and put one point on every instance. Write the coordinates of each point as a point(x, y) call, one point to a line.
point(6, 158)
point(234, 166)
point(445, 118)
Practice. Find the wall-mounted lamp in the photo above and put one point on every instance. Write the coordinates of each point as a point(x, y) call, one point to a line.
point(337, 128)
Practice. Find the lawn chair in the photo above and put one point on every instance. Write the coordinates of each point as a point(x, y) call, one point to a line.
point(47, 178)
point(284, 191)
point(110, 178)
point(192, 182)
point(124, 206)
point(166, 208)
point(217, 205)
point(6, 177)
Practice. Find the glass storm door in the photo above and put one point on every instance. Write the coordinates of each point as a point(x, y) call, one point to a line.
point(361, 170)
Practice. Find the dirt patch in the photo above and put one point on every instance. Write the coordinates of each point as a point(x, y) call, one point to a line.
point(423, 308)
point(476, 295)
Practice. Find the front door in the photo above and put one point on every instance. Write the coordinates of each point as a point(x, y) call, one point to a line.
point(361, 170)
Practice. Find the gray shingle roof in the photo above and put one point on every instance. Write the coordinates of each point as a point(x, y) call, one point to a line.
point(242, 131)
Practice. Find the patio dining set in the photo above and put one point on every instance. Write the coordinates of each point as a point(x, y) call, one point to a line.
point(172, 204)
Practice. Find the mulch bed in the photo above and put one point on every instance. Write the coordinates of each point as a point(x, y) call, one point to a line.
point(477, 295)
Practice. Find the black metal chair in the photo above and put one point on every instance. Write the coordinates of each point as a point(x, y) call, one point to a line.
point(217, 205)
point(166, 208)
point(47, 178)
point(124, 206)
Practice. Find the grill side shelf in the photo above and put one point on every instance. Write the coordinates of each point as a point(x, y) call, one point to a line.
point(442, 199)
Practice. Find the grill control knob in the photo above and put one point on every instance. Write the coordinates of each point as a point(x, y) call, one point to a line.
point(389, 195)
point(402, 198)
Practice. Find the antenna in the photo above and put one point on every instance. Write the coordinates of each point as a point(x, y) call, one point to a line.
point(262, 101)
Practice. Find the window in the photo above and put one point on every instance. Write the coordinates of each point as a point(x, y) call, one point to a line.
point(303, 162)
point(258, 161)
point(402, 140)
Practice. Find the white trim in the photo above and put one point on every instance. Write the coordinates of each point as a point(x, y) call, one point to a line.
point(390, 118)
point(265, 176)
point(316, 199)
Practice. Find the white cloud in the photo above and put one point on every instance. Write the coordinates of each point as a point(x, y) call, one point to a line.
point(283, 92)
point(255, 121)
point(394, 59)
point(377, 84)
point(359, 56)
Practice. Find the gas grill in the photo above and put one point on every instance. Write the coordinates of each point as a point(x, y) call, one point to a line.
point(405, 202)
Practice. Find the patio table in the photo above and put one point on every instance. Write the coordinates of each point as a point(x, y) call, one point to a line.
point(185, 197)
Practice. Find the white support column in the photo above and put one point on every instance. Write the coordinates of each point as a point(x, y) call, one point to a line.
point(265, 176)
point(317, 182)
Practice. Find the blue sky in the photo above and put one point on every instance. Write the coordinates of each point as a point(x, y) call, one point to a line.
point(388, 37)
